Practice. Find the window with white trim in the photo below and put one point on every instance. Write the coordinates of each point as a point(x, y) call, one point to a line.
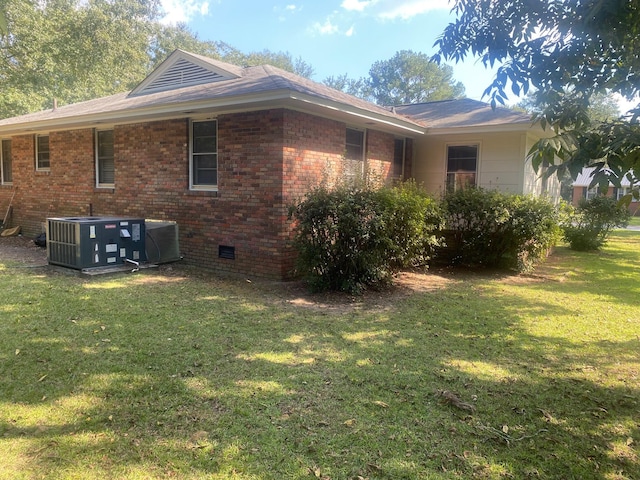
point(621, 192)
point(203, 153)
point(105, 165)
point(42, 152)
point(591, 192)
point(462, 166)
point(354, 144)
point(6, 164)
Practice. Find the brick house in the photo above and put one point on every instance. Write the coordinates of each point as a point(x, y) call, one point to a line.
point(223, 151)
point(582, 189)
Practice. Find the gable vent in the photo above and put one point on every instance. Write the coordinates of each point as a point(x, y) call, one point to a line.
point(181, 74)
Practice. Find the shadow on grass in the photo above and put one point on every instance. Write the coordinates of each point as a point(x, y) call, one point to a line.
point(164, 375)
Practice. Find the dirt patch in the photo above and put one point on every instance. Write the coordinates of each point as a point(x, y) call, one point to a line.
point(21, 250)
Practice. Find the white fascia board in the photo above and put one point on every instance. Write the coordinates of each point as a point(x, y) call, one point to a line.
point(507, 127)
point(360, 113)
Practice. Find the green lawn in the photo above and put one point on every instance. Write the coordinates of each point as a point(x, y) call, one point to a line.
point(172, 373)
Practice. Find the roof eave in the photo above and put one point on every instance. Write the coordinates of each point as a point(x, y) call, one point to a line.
point(498, 128)
point(283, 97)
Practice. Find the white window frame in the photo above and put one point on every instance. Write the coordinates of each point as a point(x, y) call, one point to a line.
point(38, 167)
point(478, 147)
point(591, 192)
point(3, 180)
point(192, 184)
point(97, 158)
point(621, 192)
point(361, 146)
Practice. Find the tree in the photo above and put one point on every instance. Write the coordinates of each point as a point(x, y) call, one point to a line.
point(602, 107)
point(357, 88)
point(407, 77)
point(75, 50)
point(410, 77)
point(71, 50)
point(569, 52)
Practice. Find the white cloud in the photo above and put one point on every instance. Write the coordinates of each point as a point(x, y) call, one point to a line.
point(406, 9)
point(350, 32)
point(356, 5)
point(326, 28)
point(393, 9)
point(182, 11)
point(284, 13)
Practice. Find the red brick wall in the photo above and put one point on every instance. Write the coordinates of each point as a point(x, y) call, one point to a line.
point(379, 153)
point(267, 161)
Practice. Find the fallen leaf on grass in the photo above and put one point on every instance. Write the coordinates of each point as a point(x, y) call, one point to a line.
point(450, 398)
point(381, 404)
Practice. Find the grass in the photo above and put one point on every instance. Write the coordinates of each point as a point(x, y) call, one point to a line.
point(634, 222)
point(176, 374)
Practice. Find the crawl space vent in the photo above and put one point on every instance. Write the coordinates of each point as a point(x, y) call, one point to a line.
point(227, 252)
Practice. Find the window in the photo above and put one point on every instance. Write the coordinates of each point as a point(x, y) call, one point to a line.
point(398, 157)
point(591, 192)
point(354, 144)
point(42, 152)
point(204, 155)
point(6, 165)
point(621, 192)
point(462, 163)
point(105, 165)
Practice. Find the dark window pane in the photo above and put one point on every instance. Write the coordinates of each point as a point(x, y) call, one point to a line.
point(7, 176)
point(105, 143)
point(354, 144)
point(205, 170)
point(43, 151)
point(398, 157)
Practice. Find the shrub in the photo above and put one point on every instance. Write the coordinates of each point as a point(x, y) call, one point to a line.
point(493, 229)
point(353, 237)
point(592, 222)
point(412, 220)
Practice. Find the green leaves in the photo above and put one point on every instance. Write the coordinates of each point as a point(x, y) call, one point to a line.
point(569, 52)
point(352, 237)
point(407, 77)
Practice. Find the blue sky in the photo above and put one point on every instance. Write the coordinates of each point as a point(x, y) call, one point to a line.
point(333, 36)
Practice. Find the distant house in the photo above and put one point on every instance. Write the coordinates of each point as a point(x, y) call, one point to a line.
point(224, 151)
point(582, 189)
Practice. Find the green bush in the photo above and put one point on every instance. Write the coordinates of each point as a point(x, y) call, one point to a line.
point(493, 229)
point(592, 222)
point(353, 237)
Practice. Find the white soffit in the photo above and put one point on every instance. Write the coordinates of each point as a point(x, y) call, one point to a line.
point(182, 69)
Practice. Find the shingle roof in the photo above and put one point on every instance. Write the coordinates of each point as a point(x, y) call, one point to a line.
point(584, 179)
point(251, 83)
point(240, 86)
point(462, 113)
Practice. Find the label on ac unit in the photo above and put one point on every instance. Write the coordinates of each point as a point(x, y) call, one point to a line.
point(111, 247)
point(135, 232)
point(111, 260)
point(123, 252)
point(92, 231)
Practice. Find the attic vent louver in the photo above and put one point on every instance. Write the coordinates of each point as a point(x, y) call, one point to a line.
point(181, 74)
